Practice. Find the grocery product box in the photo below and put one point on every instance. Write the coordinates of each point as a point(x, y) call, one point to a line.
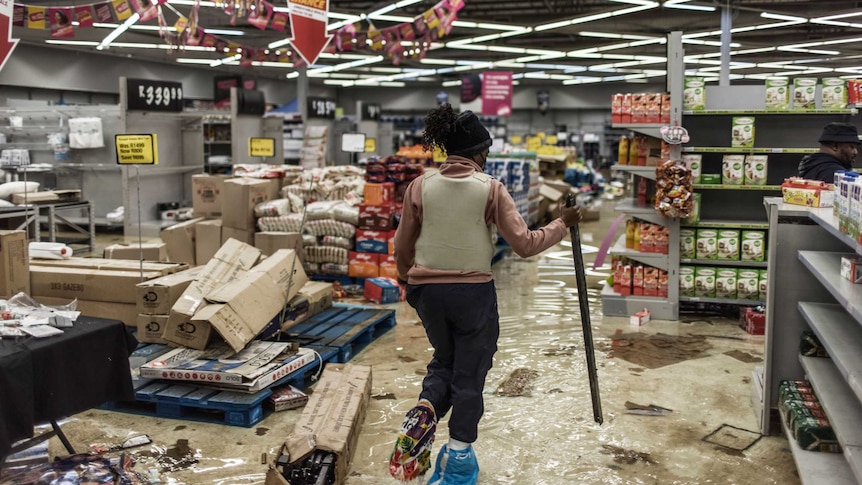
point(704, 282)
point(390, 242)
point(804, 93)
point(762, 285)
point(179, 241)
point(653, 108)
point(851, 269)
point(617, 108)
point(755, 169)
point(710, 178)
point(687, 244)
point(240, 309)
point(733, 169)
point(810, 193)
point(287, 397)
point(662, 239)
point(208, 238)
point(637, 280)
point(833, 93)
point(647, 237)
point(752, 321)
point(363, 265)
point(753, 246)
point(87, 284)
point(382, 290)
point(694, 94)
point(241, 195)
point(243, 235)
point(151, 329)
point(694, 216)
point(626, 111)
point(640, 318)
point(694, 161)
point(728, 245)
point(376, 217)
point(747, 281)
point(270, 242)
point(207, 194)
point(372, 241)
point(651, 281)
point(379, 194)
point(725, 283)
point(851, 223)
point(742, 132)
point(626, 274)
point(158, 295)
point(150, 251)
point(777, 93)
point(663, 284)
point(707, 244)
point(14, 263)
point(639, 108)
point(388, 267)
point(665, 109)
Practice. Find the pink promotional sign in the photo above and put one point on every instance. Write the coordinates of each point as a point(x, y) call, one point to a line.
point(497, 93)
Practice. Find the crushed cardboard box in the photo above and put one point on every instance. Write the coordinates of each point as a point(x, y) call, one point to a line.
point(180, 241)
point(157, 296)
point(331, 420)
point(207, 240)
point(270, 242)
point(149, 251)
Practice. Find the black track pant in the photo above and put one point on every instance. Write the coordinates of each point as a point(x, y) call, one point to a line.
point(463, 325)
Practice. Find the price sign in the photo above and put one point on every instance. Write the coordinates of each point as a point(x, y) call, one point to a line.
point(321, 108)
point(370, 145)
point(149, 95)
point(516, 139)
point(370, 112)
point(261, 147)
point(137, 149)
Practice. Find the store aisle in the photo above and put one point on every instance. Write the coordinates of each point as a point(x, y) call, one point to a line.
point(700, 369)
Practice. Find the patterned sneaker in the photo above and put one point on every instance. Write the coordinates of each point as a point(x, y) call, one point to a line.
point(455, 467)
point(412, 454)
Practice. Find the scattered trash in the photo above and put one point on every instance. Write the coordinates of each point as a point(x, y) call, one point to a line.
point(743, 356)
point(404, 358)
point(731, 437)
point(381, 397)
point(640, 318)
point(519, 383)
point(648, 410)
point(129, 443)
point(626, 457)
point(659, 350)
point(563, 350)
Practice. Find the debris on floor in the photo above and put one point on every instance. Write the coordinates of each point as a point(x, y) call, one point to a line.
point(79, 469)
point(646, 410)
point(626, 457)
point(132, 442)
point(519, 383)
point(561, 350)
point(743, 356)
point(178, 457)
point(659, 350)
point(731, 437)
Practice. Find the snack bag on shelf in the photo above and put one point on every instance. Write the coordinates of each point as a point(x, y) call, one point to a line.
point(674, 196)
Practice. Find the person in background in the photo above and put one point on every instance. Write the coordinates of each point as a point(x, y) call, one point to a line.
point(839, 145)
point(443, 250)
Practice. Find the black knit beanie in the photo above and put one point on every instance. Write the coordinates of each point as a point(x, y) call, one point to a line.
point(468, 136)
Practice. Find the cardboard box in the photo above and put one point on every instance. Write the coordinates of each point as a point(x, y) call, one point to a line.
point(805, 93)
point(707, 244)
point(331, 420)
point(742, 132)
point(833, 93)
point(686, 281)
point(704, 282)
point(124, 312)
point(270, 242)
point(687, 244)
point(379, 194)
point(372, 241)
point(810, 193)
point(180, 241)
point(363, 265)
point(151, 252)
point(752, 321)
point(728, 245)
point(390, 242)
point(157, 296)
point(207, 194)
point(14, 263)
point(733, 169)
point(382, 290)
point(313, 298)
point(101, 264)
point(777, 93)
point(232, 260)
point(208, 239)
point(851, 269)
point(753, 246)
point(725, 283)
point(47, 197)
point(694, 94)
point(388, 267)
point(747, 284)
point(756, 169)
point(243, 194)
point(240, 309)
point(241, 235)
point(87, 284)
point(151, 329)
point(640, 318)
point(376, 217)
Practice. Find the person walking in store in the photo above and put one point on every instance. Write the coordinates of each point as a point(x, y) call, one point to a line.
point(443, 249)
point(839, 145)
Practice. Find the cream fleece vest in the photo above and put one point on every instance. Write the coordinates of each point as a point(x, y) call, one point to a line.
point(454, 235)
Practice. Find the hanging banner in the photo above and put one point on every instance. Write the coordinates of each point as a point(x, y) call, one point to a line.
point(497, 93)
point(471, 88)
point(19, 14)
point(103, 12)
point(260, 16)
point(308, 19)
point(84, 15)
point(121, 9)
point(61, 22)
point(7, 43)
point(35, 18)
point(279, 21)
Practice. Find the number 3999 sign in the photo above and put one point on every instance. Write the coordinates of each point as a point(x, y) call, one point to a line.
point(151, 95)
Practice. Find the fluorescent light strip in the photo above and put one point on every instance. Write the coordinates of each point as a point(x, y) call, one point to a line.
point(776, 16)
point(680, 4)
point(450, 84)
point(841, 15)
point(106, 42)
point(391, 18)
point(82, 43)
point(810, 51)
point(441, 62)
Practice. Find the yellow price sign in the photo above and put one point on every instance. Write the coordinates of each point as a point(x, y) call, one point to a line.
point(551, 140)
point(541, 135)
point(261, 147)
point(370, 145)
point(137, 149)
point(516, 139)
point(533, 143)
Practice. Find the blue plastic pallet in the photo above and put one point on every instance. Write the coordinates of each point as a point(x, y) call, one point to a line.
point(345, 328)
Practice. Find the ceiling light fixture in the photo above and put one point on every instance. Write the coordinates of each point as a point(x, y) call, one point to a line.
point(106, 42)
point(683, 5)
point(777, 16)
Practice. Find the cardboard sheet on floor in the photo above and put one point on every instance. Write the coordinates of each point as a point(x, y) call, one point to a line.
point(659, 350)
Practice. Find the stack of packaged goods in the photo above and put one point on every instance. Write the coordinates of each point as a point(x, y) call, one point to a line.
point(804, 417)
point(632, 278)
point(515, 175)
point(417, 155)
point(646, 237)
point(703, 245)
point(642, 151)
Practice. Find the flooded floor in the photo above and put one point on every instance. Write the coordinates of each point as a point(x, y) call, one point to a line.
point(686, 387)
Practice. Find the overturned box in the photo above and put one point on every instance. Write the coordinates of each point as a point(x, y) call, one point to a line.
point(331, 420)
point(157, 296)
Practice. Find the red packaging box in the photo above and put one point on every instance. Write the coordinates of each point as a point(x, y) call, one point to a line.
point(363, 265)
point(662, 284)
point(651, 282)
point(372, 241)
point(627, 108)
point(376, 217)
point(626, 280)
point(665, 109)
point(617, 108)
point(638, 281)
point(382, 290)
point(388, 268)
point(653, 108)
point(618, 274)
point(638, 108)
point(391, 242)
point(752, 321)
point(648, 237)
point(380, 194)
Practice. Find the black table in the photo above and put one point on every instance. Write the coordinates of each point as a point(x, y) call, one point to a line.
point(42, 380)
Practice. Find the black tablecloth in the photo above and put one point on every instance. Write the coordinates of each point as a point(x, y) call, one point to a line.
point(54, 377)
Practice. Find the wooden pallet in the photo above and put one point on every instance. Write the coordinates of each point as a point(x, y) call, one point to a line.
point(346, 329)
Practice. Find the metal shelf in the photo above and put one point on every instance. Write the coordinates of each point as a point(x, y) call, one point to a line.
point(639, 170)
point(753, 112)
point(826, 267)
point(748, 150)
point(728, 224)
point(652, 259)
point(724, 262)
point(841, 335)
point(736, 187)
point(814, 465)
point(645, 212)
point(828, 221)
point(614, 304)
point(841, 405)
point(648, 129)
point(724, 301)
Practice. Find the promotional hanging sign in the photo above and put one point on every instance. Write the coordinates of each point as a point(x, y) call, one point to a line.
point(497, 93)
point(7, 43)
point(137, 149)
point(308, 21)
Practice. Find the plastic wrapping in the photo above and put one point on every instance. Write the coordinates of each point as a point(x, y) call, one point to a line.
point(330, 227)
point(321, 210)
point(277, 207)
point(339, 242)
point(326, 254)
point(288, 223)
point(674, 195)
point(346, 213)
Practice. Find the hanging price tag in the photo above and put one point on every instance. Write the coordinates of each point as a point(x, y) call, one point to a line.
point(137, 149)
point(150, 95)
point(321, 108)
point(261, 147)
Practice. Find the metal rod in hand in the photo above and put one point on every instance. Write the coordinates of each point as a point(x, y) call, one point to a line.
point(581, 280)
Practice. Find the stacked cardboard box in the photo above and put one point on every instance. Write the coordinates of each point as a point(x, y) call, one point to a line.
point(375, 233)
point(154, 301)
point(147, 251)
point(238, 220)
point(208, 240)
point(207, 194)
point(179, 241)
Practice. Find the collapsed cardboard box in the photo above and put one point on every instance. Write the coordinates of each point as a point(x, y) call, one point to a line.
point(313, 298)
point(232, 260)
point(157, 296)
point(240, 309)
point(180, 241)
point(14, 263)
point(270, 242)
point(208, 240)
point(149, 252)
point(331, 420)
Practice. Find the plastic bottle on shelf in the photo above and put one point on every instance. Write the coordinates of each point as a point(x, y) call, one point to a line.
point(49, 250)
